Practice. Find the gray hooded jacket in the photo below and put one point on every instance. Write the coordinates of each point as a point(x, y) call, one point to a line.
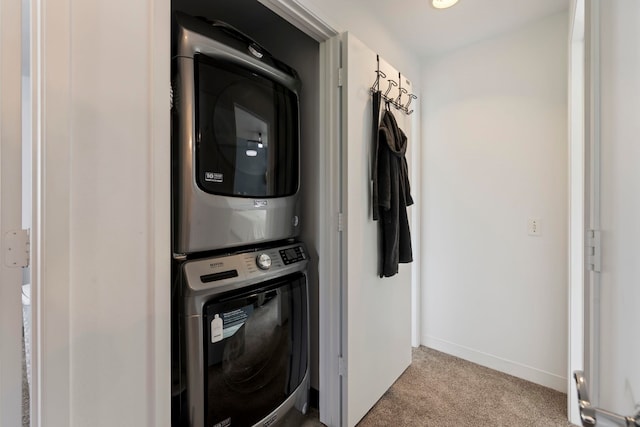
point(392, 195)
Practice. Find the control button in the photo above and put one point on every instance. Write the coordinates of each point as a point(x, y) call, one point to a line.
point(292, 255)
point(263, 261)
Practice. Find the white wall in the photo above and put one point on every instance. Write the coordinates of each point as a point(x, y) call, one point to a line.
point(361, 22)
point(494, 122)
point(114, 217)
point(102, 262)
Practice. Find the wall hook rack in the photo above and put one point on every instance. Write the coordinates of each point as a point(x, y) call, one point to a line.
point(396, 102)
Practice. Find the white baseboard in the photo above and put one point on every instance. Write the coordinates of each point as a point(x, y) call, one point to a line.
point(510, 367)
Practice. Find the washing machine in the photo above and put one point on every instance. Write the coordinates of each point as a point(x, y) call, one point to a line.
point(244, 333)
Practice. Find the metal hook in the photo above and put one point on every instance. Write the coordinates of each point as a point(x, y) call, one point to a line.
point(391, 84)
point(406, 107)
point(376, 85)
point(400, 92)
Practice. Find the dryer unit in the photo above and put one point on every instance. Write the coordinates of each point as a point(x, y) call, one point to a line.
point(235, 140)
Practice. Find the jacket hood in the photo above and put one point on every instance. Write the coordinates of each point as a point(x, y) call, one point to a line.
point(392, 135)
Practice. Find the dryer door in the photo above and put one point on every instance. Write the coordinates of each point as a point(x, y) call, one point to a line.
point(246, 132)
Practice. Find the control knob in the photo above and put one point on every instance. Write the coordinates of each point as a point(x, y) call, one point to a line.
point(263, 261)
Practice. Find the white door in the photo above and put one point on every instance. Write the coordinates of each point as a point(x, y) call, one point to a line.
point(612, 356)
point(10, 215)
point(376, 313)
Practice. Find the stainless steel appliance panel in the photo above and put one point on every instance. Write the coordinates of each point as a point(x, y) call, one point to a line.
point(204, 221)
point(273, 281)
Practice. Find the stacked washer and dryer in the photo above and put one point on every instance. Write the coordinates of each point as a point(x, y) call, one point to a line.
point(240, 327)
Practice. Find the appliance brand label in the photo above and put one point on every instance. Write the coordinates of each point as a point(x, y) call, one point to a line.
point(223, 423)
point(216, 265)
point(213, 177)
point(272, 419)
point(259, 203)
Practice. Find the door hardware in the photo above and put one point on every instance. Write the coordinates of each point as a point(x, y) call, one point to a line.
point(589, 414)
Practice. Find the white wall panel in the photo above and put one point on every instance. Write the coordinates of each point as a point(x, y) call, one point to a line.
point(494, 120)
point(119, 212)
point(103, 212)
point(371, 29)
point(10, 214)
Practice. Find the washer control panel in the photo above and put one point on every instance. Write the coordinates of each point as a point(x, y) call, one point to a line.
point(235, 269)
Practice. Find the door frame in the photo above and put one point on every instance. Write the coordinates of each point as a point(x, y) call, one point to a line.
point(602, 135)
point(10, 211)
point(50, 35)
point(330, 238)
point(583, 131)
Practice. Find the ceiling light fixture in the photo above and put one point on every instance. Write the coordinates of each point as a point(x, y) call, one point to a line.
point(443, 4)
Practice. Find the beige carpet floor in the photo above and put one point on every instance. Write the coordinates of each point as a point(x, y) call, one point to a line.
point(440, 390)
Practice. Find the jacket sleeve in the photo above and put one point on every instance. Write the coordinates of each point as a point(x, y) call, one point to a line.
point(406, 185)
point(384, 170)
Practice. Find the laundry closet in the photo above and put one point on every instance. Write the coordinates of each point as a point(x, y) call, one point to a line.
point(244, 288)
point(361, 342)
